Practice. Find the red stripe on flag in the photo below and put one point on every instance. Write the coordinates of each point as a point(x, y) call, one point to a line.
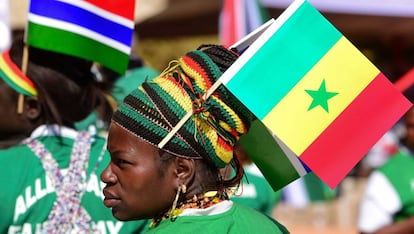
point(16, 70)
point(338, 149)
point(124, 8)
point(228, 27)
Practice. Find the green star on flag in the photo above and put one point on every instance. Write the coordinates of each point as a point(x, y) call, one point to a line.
point(320, 97)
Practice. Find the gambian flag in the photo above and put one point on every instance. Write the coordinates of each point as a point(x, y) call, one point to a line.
point(315, 91)
point(96, 30)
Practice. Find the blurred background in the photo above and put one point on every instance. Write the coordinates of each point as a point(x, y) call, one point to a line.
point(382, 29)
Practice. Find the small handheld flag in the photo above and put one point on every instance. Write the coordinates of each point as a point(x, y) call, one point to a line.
point(94, 30)
point(315, 91)
point(14, 77)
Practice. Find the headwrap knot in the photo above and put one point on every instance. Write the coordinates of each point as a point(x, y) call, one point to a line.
point(216, 123)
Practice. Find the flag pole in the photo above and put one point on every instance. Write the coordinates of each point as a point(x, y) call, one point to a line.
point(25, 59)
point(187, 116)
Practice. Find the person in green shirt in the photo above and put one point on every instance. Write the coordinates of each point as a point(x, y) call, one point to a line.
point(49, 175)
point(254, 190)
point(387, 204)
point(172, 173)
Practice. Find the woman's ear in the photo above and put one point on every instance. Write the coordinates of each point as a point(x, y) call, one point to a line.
point(185, 169)
point(32, 108)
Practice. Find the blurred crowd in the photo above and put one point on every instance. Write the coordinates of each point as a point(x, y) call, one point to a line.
point(73, 95)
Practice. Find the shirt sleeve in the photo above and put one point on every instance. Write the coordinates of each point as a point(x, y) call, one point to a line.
point(379, 203)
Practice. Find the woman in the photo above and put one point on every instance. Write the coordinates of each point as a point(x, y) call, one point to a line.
point(180, 185)
point(49, 176)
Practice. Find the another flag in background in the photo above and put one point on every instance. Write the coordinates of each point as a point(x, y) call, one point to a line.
point(315, 91)
point(238, 18)
point(277, 163)
point(96, 30)
point(406, 81)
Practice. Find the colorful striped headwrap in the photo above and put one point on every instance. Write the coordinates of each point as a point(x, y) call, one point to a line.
point(14, 77)
point(154, 109)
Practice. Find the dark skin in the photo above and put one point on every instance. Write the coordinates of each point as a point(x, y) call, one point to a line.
point(14, 127)
point(142, 181)
point(405, 226)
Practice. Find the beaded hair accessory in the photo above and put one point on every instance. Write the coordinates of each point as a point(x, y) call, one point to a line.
point(14, 77)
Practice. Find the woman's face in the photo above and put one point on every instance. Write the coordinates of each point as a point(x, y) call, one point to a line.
point(136, 187)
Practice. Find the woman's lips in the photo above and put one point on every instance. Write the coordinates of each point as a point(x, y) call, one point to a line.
point(110, 199)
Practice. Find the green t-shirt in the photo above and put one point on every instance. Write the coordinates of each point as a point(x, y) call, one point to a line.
point(256, 192)
point(238, 219)
point(399, 170)
point(27, 195)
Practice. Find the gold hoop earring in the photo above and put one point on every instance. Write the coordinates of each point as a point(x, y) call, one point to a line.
point(181, 189)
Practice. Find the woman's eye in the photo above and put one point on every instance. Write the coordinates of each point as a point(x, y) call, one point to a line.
point(120, 161)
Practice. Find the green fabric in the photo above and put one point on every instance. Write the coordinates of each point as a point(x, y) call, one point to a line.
point(130, 81)
point(122, 86)
point(317, 189)
point(90, 120)
point(256, 192)
point(269, 156)
point(26, 199)
point(399, 170)
point(239, 219)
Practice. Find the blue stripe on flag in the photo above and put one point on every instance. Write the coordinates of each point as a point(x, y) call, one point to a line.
point(72, 14)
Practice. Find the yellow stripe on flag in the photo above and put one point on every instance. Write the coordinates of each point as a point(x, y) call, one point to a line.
point(346, 71)
point(16, 79)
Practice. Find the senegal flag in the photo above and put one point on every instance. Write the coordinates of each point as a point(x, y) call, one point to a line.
point(315, 91)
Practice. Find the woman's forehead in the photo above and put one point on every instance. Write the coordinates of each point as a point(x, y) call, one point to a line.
point(119, 137)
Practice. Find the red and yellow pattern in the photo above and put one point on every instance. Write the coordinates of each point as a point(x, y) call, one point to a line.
point(14, 77)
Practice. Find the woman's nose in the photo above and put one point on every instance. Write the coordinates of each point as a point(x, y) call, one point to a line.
point(107, 176)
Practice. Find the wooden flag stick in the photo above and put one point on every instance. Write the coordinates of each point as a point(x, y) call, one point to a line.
point(187, 116)
point(25, 59)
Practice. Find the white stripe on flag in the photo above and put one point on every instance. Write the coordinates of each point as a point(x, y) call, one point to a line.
point(247, 40)
point(62, 25)
point(100, 12)
point(291, 156)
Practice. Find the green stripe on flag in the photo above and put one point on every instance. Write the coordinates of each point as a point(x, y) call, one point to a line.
point(313, 37)
point(13, 85)
point(74, 44)
point(269, 157)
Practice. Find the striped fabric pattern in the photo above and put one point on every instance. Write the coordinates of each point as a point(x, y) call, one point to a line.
point(155, 108)
point(95, 30)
